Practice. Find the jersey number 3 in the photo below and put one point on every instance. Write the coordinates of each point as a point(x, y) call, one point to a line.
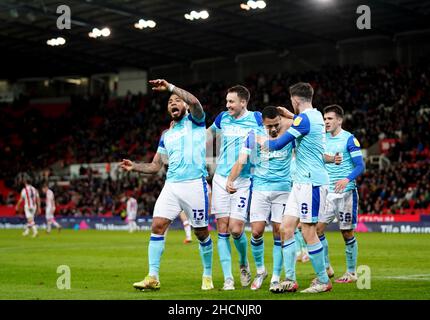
point(242, 202)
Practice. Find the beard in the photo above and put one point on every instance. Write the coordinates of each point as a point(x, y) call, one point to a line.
point(177, 116)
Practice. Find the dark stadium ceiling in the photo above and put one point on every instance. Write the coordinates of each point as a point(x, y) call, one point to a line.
point(25, 26)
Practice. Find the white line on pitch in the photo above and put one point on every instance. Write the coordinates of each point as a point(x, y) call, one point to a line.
point(414, 277)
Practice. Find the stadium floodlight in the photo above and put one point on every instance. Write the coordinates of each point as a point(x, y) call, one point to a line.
point(251, 4)
point(145, 24)
point(204, 14)
point(194, 15)
point(61, 41)
point(261, 4)
point(244, 6)
point(105, 32)
point(95, 33)
point(56, 42)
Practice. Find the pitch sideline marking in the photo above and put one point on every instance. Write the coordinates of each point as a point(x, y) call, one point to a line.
point(413, 277)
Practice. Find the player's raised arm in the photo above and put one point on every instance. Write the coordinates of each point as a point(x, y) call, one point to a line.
point(300, 127)
point(284, 112)
point(196, 108)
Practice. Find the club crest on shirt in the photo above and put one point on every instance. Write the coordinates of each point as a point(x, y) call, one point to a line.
point(297, 121)
point(357, 144)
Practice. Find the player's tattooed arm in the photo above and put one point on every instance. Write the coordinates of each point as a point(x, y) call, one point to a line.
point(152, 167)
point(196, 108)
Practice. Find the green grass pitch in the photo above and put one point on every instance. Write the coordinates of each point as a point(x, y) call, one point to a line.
point(104, 264)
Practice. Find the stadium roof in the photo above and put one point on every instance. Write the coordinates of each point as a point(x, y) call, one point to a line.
point(25, 26)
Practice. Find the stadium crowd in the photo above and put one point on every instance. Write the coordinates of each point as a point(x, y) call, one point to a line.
point(380, 102)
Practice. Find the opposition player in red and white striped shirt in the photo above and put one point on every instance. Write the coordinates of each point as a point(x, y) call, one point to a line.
point(30, 196)
point(131, 214)
point(50, 209)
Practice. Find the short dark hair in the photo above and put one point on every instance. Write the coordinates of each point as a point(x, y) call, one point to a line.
point(337, 109)
point(242, 92)
point(270, 112)
point(302, 90)
point(26, 178)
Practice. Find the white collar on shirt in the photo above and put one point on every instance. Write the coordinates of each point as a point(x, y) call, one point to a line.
point(243, 115)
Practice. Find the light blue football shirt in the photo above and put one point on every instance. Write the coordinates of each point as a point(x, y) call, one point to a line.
point(185, 147)
point(308, 130)
point(271, 170)
point(233, 133)
point(349, 147)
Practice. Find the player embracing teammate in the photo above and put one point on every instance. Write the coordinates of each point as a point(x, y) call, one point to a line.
point(249, 152)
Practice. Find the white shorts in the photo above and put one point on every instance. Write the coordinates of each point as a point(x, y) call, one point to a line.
point(267, 205)
point(189, 196)
point(344, 207)
point(49, 213)
point(233, 205)
point(29, 212)
point(306, 202)
point(131, 216)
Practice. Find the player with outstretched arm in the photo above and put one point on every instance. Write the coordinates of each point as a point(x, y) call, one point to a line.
point(184, 147)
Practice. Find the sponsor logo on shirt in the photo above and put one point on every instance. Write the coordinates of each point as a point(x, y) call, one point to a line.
point(235, 131)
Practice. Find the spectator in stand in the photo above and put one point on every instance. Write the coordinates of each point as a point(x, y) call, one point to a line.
point(373, 98)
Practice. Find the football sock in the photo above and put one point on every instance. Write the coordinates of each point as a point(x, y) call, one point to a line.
point(277, 259)
point(206, 249)
point(257, 248)
point(241, 244)
point(316, 255)
point(324, 243)
point(351, 251)
point(289, 256)
point(155, 250)
point(224, 251)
